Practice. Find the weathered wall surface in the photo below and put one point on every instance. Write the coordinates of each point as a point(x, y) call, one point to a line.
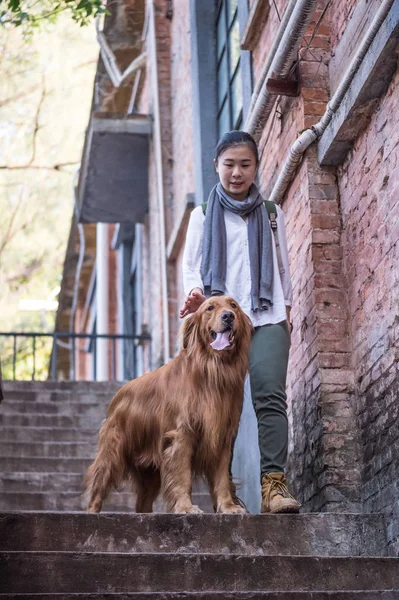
point(324, 457)
point(369, 185)
point(182, 159)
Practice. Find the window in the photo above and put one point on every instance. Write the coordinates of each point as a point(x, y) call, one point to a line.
point(229, 97)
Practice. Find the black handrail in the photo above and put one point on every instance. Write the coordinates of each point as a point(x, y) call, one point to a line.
point(56, 335)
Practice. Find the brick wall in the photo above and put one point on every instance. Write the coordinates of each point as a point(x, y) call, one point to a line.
point(369, 185)
point(324, 457)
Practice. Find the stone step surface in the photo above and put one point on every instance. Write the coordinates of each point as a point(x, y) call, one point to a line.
point(76, 501)
point(47, 434)
point(41, 482)
point(55, 482)
point(38, 464)
point(21, 407)
point(72, 572)
point(45, 464)
point(61, 392)
point(324, 534)
point(215, 595)
point(48, 449)
point(58, 421)
point(14, 389)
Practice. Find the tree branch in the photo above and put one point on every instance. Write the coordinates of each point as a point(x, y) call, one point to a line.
point(18, 96)
point(56, 167)
point(37, 117)
point(9, 234)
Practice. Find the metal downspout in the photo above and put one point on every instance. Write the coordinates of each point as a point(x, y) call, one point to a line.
point(315, 132)
point(280, 65)
point(272, 52)
point(159, 178)
point(102, 300)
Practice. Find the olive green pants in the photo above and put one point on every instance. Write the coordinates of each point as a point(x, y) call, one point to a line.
point(268, 362)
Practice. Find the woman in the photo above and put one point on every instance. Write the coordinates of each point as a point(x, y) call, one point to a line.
point(230, 249)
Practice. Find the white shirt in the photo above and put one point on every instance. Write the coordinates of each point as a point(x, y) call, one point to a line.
point(238, 274)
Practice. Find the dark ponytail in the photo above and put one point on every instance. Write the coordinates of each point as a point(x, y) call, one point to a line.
point(236, 138)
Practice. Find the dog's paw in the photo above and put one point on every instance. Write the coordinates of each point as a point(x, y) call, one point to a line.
point(232, 509)
point(193, 509)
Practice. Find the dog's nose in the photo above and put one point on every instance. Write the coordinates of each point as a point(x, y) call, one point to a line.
point(227, 316)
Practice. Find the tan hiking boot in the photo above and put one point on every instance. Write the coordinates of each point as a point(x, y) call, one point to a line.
point(275, 495)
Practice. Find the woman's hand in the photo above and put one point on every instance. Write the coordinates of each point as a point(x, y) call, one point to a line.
point(192, 302)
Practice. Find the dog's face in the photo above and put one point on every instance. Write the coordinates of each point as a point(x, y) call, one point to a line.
point(218, 325)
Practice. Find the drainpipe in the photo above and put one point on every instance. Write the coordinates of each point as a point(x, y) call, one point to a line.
point(272, 52)
point(280, 65)
point(159, 176)
point(316, 131)
point(109, 59)
point(102, 295)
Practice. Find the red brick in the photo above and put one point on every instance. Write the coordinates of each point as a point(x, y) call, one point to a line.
point(325, 221)
point(320, 95)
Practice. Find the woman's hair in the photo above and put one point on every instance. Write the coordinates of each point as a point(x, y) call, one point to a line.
point(236, 138)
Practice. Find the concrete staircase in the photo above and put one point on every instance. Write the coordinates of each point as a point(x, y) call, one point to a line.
point(47, 439)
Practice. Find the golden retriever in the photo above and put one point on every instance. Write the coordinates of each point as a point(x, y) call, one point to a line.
point(179, 421)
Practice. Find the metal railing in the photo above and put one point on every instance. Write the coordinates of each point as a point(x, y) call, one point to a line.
point(36, 356)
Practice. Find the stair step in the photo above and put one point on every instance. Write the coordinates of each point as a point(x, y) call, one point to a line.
point(42, 481)
point(20, 407)
point(71, 572)
point(48, 434)
point(44, 465)
point(325, 534)
point(216, 595)
point(58, 398)
point(48, 449)
point(43, 420)
point(76, 501)
point(61, 392)
point(94, 388)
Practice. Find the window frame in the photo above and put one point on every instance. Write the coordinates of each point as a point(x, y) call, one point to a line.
point(224, 61)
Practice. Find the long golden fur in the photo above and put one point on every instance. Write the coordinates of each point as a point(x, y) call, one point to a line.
point(180, 420)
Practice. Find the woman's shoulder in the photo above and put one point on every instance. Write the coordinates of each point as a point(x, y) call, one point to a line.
point(197, 214)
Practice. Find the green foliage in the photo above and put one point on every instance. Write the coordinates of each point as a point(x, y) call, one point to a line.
point(29, 14)
point(46, 84)
point(26, 360)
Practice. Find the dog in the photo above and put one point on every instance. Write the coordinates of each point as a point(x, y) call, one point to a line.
point(181, 420)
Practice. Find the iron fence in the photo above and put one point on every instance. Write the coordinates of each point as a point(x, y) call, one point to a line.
point(37, 354)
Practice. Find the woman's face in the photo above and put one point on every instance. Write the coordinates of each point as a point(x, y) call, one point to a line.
point(236, 168)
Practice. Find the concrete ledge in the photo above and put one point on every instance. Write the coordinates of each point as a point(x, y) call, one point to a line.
point(369, 84)
point(325, 534)
point(214, 595)
point(76, 572)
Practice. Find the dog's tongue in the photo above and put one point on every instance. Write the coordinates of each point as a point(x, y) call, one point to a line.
point(222, 341)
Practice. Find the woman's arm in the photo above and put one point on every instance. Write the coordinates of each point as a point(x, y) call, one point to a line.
point(192, 255)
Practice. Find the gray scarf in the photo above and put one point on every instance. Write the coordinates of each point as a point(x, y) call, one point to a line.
point(213, 264)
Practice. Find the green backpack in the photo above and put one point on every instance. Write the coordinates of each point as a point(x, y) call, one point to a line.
point(272, 212)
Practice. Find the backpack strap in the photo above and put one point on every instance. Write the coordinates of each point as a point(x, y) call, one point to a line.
point(272, 212)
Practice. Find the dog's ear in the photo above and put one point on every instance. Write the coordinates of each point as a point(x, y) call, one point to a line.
point(249, 321)
point(188, 330)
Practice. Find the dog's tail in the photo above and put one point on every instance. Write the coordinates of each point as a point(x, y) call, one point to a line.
point(107, 470)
